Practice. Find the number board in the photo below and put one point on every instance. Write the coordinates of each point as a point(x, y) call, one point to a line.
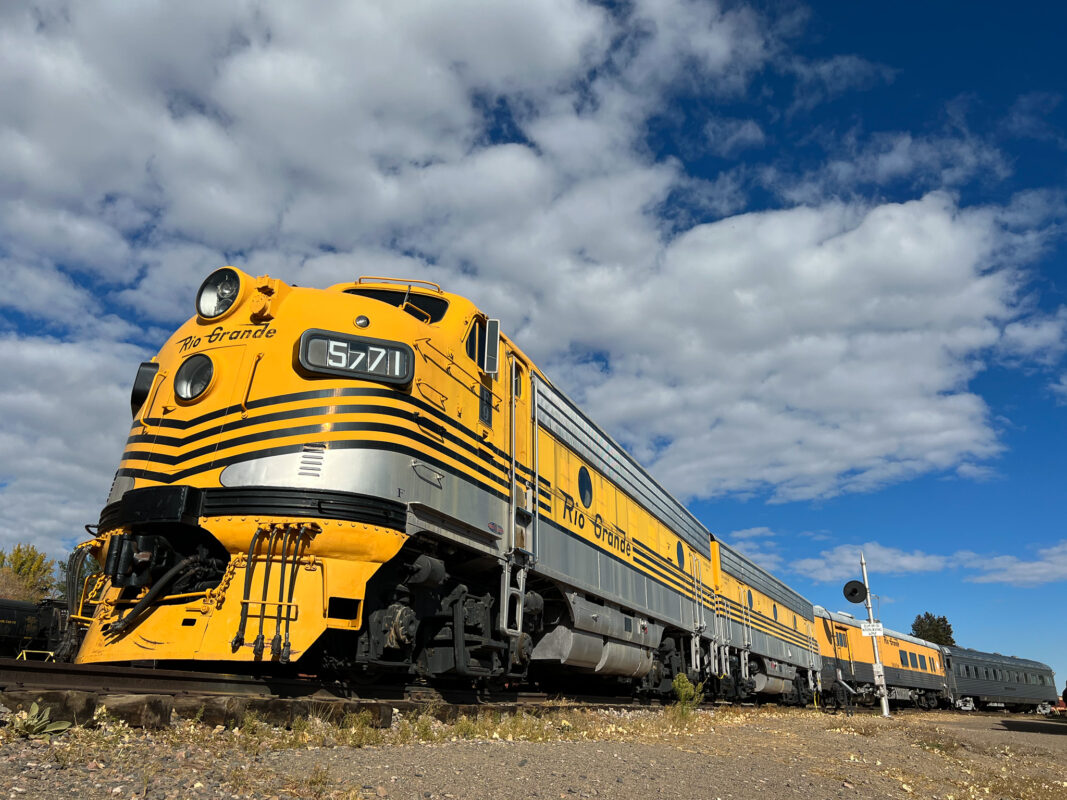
point(333, 353)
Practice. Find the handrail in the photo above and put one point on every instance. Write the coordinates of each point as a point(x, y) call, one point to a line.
point(477, 381)
point(401, 281)
point(248, 388)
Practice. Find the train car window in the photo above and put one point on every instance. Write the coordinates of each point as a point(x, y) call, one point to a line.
point(681, 556)
point(842, 640)
point(794, 622)
point(432, 308)
point(516, 380)
point(933, 663)
point(914, 661)
point(585, 487)
point(476, 343)
point(922, 662)
point(774, 610)
point(903, 658)
point(750, 599)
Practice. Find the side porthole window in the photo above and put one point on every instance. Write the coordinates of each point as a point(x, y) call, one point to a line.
point(681, 556)
point(774, 609)
point(585, 487)
point(750, 598)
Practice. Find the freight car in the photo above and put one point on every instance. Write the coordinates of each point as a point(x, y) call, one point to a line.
point(370, 480)
point(31, 628)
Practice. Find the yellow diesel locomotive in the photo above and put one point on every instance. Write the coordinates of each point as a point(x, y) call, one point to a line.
point(371, 480)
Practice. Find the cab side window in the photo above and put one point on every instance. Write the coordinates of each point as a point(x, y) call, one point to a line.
point(476, 353)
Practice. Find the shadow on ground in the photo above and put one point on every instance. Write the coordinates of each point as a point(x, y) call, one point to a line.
point(1035, 726)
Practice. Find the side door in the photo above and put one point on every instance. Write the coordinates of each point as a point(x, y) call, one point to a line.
point(521, 433)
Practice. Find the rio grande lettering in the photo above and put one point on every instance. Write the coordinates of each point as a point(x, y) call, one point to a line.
point(220, 334)
point(608, 534)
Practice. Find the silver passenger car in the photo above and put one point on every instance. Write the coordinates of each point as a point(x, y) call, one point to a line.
point(990, 680)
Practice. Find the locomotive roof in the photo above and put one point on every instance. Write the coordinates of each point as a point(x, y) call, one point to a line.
point(758, 578)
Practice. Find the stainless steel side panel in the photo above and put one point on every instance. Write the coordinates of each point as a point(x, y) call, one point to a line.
point(380, 473)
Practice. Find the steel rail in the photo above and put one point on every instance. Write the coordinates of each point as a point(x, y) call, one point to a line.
point(109, 678)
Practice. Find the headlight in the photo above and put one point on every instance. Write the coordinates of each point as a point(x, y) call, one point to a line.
point(218, 293)
point(193, 377)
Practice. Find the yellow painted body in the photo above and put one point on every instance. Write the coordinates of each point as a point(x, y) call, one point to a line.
point(846, 643)
point(260, 400)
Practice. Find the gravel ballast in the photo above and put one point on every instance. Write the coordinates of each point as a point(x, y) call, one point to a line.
point(725, 753)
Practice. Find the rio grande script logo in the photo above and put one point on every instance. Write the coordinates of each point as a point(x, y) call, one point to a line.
point(220, 334)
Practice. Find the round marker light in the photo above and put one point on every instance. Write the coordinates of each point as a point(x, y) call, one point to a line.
point(218, 293)
point(193, 377)
point(362, 321)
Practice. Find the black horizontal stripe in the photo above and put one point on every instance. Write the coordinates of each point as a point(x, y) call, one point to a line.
point(760, 621)
point(671, 584)
point(664, 578)
point(307, 430)
point(764, 623)
point(349, 444)
point(186, 504)
point(319, 394)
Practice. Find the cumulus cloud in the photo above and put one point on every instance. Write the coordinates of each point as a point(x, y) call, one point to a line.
point(65, 407)
point(503, 151)
point(752, 533)
point(1049, 567)
point(758, 544)
point(843, 562)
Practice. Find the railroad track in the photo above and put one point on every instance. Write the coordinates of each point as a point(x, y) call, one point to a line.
point(17, 675)
point(109, 679)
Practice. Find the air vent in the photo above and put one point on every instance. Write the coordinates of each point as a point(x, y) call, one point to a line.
point(311, 460)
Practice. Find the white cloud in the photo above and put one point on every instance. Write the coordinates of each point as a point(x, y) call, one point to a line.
point(65, 408)
point(1059, 388)
point(765, 554)
point(752, 533)
point(758, 544)
point(1049, 567)
point(843, 562)
point(1039, 338)
point(502, 150)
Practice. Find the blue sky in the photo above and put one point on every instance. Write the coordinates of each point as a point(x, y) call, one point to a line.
point(806, 262)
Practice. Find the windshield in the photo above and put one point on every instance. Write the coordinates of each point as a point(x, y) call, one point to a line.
point(430, 306)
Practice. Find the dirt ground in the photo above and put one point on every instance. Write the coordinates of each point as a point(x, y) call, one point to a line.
point(729, 753)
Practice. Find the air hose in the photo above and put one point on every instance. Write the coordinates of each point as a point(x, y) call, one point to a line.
point(119, 627)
